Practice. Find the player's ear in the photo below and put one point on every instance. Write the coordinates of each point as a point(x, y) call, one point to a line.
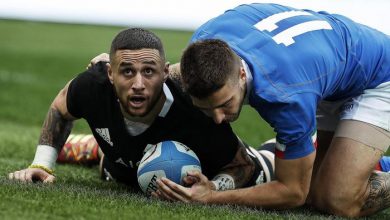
point(110, 73)
point(166, 71)
point(242, 74)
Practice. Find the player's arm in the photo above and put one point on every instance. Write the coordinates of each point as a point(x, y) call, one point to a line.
point(290, 188)
point(55, 130)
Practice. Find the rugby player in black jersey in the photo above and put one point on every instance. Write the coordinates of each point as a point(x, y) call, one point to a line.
point(131, 102)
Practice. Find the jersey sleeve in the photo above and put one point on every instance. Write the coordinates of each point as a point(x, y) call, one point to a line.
point(74, 98)
point(294, 122)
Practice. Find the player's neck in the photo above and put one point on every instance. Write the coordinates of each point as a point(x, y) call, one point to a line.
point(151, 116)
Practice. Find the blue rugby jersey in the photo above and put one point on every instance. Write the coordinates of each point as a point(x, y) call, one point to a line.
point(297, 58)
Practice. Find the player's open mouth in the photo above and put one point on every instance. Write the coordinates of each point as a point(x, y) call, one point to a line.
point(137, 101)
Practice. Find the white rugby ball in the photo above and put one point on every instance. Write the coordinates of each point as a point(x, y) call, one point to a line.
point(169, 159)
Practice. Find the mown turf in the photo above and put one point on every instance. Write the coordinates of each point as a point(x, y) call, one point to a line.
point(36, 61)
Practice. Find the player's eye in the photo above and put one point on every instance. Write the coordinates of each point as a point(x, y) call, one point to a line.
point(148, 71)
point(127, 71)
point(227, 104)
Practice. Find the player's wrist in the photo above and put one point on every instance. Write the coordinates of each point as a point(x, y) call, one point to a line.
point(211, 185)
point(47, 170)
point(45, 158)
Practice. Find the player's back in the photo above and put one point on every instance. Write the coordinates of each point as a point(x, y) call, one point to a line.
point(291, 51)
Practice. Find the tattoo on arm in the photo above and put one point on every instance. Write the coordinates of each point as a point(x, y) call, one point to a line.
point(55, 129)
point(378, 193)
point(241, 168)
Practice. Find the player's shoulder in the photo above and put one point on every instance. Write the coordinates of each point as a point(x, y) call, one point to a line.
point(93, 80)
point(177, 90)
point(90, 85)
point(95, 74)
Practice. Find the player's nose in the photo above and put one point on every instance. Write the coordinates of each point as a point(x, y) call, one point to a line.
point(218, 116)
point(138, 82)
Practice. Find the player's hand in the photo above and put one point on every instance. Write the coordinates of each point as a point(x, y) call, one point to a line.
point(199, 192)
point(188, 181)
point(32, 174)
point(104, 57)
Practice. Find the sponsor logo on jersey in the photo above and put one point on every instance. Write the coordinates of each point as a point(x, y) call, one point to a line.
point(120, 160)
point(105, 134)
point(131, 164)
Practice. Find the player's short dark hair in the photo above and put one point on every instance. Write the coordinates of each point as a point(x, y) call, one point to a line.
point(206, 66)
point(135, 39)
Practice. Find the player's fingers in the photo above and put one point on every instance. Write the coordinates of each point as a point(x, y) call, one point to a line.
point(154, 195)
point(161, 191)
point(197, 175)
point(164, 196)
point(189, 180)
point(28, 176)
point(11, 176)
point(168, 194)
point(17, 175)
point(173, 197)
point(177, 190)
point(22, 175)
point(49, 179)
point(157, 194)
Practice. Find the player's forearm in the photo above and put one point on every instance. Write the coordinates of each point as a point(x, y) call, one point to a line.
point(290, 188)
point(237, 173)
point(55, 129)
point(269, 195)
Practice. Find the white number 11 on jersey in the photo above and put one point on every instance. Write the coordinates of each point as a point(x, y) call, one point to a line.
point(286, 37)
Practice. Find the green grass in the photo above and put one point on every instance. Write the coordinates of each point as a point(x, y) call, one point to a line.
point(36, 61)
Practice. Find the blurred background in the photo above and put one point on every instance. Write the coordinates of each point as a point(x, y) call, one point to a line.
point(176, 14)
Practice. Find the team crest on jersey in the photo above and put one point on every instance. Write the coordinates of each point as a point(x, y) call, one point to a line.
point(105, 134)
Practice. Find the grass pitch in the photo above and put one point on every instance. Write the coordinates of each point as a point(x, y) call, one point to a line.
point(36, 61)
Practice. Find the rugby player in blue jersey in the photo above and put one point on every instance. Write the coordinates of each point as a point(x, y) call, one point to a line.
point(321, 81)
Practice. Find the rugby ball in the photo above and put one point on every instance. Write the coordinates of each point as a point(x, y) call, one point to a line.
point(168, 159)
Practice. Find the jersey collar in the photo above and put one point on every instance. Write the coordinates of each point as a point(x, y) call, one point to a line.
point(168, 101)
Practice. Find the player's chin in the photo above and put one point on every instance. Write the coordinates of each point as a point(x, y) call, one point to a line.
point(138, 112)
point(231, 118)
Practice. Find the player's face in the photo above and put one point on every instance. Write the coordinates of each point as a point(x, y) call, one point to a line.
point(138, 77)
point(225, 104)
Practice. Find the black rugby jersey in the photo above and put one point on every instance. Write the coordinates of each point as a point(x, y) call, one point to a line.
point(91, 96)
